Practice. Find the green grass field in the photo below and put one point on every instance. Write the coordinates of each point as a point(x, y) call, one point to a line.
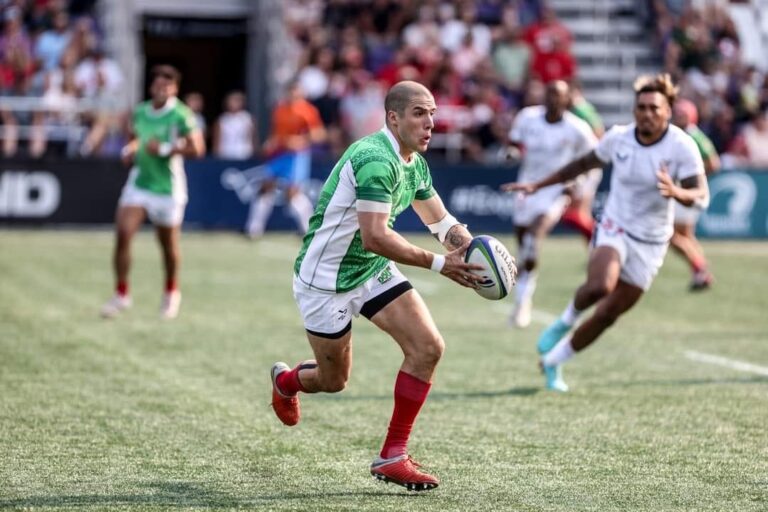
point(140, 414)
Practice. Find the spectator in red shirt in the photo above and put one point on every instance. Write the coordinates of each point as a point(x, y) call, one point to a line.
point(544, 35)
point(558, 64)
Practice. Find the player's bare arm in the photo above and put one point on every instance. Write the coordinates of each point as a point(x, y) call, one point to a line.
point(377, 237)
point(432, 212)
point(567, 173)
point(691, 191)
point(189, 146)
point(458, 236)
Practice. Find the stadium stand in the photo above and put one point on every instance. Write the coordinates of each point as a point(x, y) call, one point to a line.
point(484, 60)
point(56, 83)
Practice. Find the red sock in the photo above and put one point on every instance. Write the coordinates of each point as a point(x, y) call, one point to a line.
point(171, 285)
point(698, 264)
point(582, 223)
point(289, 383)
point(122, 288)
point(410, 395)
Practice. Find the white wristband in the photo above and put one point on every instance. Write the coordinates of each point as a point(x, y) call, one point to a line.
point(441, 228)
point(165, 149)
point(438, 262)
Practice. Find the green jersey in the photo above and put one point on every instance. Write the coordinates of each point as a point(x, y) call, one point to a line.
point(706, 148)
point(585, 111)
point(158, 174)
point(372, 171)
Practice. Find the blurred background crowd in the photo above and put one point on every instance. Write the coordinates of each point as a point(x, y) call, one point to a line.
point(60, 91)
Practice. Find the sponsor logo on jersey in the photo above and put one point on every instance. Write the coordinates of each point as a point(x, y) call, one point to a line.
point(385, 275)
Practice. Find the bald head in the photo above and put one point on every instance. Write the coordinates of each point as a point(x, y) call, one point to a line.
point(558, 86)
point(556, 99)
point(402, 93)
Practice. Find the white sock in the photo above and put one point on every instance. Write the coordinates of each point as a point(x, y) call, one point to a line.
point(301, 210)
point(259, 213)
point(570, 315)
point(526, 285)
point(562, 352)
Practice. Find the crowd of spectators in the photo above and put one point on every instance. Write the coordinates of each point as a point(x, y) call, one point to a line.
point(700, 47)
point(55, 78)
point(483, 60)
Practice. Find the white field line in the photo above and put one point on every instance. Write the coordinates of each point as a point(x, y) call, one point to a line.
point(733, 364)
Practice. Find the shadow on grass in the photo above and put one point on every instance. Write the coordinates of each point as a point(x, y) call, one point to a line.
point(681, 382)
point(188, 495)
point(438, 395)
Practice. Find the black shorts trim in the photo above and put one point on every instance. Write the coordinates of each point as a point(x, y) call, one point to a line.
point(332, 336)
point(379, 302)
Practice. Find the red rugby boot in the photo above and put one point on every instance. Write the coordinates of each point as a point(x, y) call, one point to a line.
point(403, 470)
point(286, 407)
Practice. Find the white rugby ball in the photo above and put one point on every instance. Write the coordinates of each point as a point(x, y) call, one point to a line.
point(499, 269)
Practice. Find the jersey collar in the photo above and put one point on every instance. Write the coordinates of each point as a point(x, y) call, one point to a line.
point(395, 145)
point(158, 112)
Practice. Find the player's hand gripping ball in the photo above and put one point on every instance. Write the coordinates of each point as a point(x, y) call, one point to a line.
point(499, 269)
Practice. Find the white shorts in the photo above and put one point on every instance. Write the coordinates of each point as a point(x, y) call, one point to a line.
point(329, 315)
point(549, 201)
point(686, 215)
point(586, 184)
point(162, 210)
point(640, 261)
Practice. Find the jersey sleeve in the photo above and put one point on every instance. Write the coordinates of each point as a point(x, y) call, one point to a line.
point(516, 133)
point(689, 162)
point(604, 148)
point(187, 122)
point(424, 190)
point(585, 137)
point(375, 182)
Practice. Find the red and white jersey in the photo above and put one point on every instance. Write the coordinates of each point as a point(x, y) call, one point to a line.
point(634, 201)
point(548, 146)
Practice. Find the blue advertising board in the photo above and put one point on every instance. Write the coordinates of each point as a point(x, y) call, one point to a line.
point(738, 206)
point(49, 192)
point(221, 193)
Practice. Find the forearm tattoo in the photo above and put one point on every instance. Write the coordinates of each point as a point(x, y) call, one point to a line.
point(456, 237)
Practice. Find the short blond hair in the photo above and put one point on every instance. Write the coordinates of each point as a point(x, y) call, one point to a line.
point(661, 83)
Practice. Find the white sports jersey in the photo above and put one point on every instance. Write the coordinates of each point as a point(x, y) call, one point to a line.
point(549, 146)
point(634, 201)
point(235, 135)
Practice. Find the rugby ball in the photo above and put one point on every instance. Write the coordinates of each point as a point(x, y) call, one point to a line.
point(499, 269)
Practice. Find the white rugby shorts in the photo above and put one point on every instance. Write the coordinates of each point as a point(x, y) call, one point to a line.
point(162, 210)
point(640, 261)
point(548, 201)
point(329, 314)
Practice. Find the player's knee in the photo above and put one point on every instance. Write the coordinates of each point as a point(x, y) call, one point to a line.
point(597, 290)
point(431, 351)
point(606, 316)
point(333, 383)
point(123, 237)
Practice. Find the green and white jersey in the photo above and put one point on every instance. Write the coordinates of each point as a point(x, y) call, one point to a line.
point(372, 171)
point(706, 148)
point(158, 174)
